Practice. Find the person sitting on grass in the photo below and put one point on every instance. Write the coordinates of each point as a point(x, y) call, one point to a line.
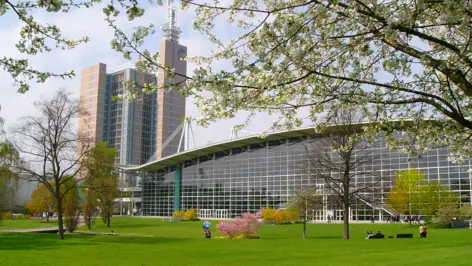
point(379, 234)
point(207, 233)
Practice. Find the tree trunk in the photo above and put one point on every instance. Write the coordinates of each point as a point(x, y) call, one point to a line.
point(108, 220)
point(89, 223)
point(304, 229)
point(60, 221)
point(47, 217)
point(346, 221)
point(346, 200)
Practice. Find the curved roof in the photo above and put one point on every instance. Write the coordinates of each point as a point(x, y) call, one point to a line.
point(180, 157)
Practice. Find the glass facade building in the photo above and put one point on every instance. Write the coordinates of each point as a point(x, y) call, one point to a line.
point(224, 180)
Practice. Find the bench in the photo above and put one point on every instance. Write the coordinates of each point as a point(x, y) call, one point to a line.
point(404, 235)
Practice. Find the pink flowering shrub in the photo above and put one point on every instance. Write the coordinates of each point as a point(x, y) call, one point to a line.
point(228, 228)
point(245, 225)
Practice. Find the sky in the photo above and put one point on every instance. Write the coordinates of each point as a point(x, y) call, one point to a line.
point(90, 22)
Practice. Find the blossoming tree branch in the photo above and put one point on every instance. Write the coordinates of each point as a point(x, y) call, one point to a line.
point(402, 60)
point(304, 59)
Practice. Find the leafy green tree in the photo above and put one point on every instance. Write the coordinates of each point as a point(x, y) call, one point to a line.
point(404, 197)
point(433, 195)
point(413, 194)
point(102, 184)
point(91, 205)
point(402, 60)
point(71, 205)
point(42, 201)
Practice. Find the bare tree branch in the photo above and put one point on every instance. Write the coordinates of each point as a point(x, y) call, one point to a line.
point(53, 150)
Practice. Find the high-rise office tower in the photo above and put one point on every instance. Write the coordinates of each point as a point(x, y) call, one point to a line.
point(138, 129)
point(171, 104)
point(128, 126)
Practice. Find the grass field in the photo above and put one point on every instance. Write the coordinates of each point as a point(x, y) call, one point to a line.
point(26, 224)
point(183, 244)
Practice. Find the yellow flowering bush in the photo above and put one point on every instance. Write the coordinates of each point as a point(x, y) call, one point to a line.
point(241, 236)
point(286, 216)
point(7, 215)
point(268, 214)
point(179, 214)
point(190, 215)
point(253, 236)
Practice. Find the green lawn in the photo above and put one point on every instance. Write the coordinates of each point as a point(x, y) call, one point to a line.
point(26, 224)
point(183, 244)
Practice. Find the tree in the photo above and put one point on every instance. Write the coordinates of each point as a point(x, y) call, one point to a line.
point(404, 197)
point(52, 148)
point(413, 194)
point(433, 195)
point(102, 184)
point(37, 38)
point(9, 156)
point(342, 158)
point(108, 193)
point(465, 212)
point(71, 205)
point(42, 201)
point(402, 60)
point(2, 122)
point(305, 202)
point(448, 212)
point(90, 207)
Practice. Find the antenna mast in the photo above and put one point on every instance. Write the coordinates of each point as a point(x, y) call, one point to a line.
point(170, 30)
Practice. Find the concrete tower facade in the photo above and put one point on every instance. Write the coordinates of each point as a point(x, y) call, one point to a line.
point(137, 129)
point(171, 103)
point(92, 98)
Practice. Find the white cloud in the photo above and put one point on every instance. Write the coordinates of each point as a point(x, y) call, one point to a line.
point(90, 22)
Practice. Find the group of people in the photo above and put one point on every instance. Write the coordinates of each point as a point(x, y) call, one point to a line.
point(393, 219)
point(414, 219)
point(423, 232)
point(370, 234)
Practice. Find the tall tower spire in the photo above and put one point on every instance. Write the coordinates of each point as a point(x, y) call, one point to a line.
point(170, 30)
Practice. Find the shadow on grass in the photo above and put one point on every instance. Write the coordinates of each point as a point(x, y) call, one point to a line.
point(30, 241)
point(326, 237)
point(136, 240)
point(127, 225)
point(36, 241)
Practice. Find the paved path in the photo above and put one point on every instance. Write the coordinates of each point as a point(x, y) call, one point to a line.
point(52, 229)
point(108, 234)
point(31, 230)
